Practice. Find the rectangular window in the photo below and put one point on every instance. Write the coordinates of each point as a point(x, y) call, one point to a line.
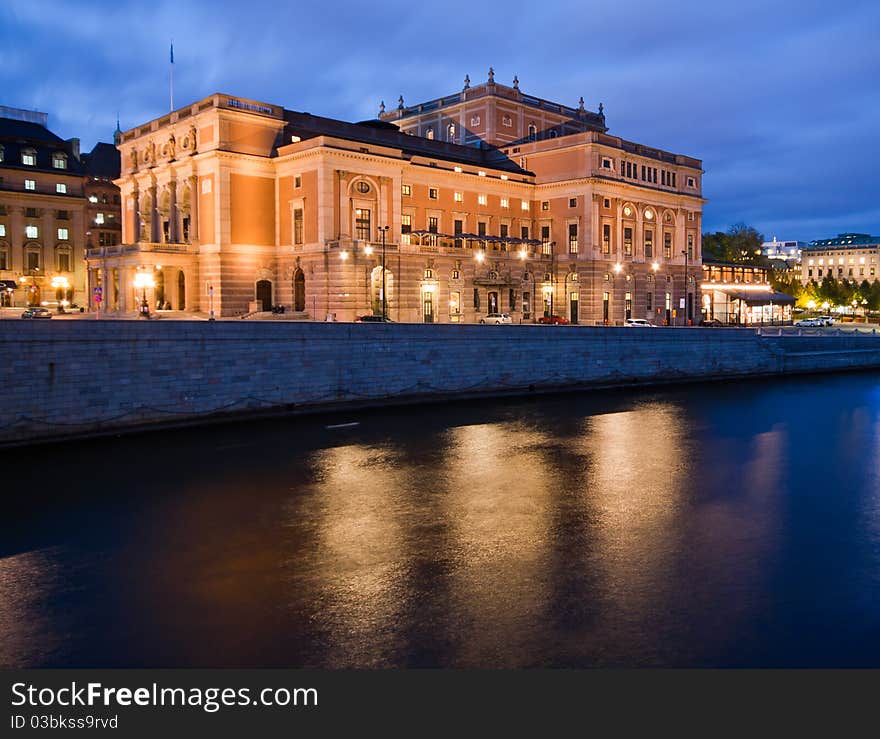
point(298, 226)
point(406, 190)
point(545, 240)
point(572, 202)
point(644, 172)
point(362, 224)
point(673, 179)
point(62, 234)
point(606, 163)
point(690, 215)
point(33, 260)
point(627, 242)
point(527, 305)
point(606, 238)
point(28, 158)
point(458, 197)
point(505, 203)
point(433, 227)
point(64, 261)
point(60, 188)
point(481, 228)
point(32, 232)
point(4, 260)
point(405, 229)
point(512, 299)
point(691, 182)
point(2, 229)
point(524, 205)
point(482, 200)
point(667, 245)
point(649, 243)
point(476, 298)
point(572, 238)
point(524, 232)
point(185, 223)
point(545, 205)
point(297, 180)
point(30, 185)
point(457, 228)
point(690, 246)
point(455, 303)
point(433, 193)
point(503, 231)
point(99, 218)
point(63, 215)
point(649, 301)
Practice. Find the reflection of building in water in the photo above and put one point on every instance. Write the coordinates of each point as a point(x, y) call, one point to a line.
point(741, 294)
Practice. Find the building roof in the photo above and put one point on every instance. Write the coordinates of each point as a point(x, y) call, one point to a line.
point(844, 240)
point(16, 135)
point(306, 125)
point(102, 161)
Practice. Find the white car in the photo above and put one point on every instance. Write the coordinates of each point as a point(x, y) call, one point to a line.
point(496, 318)
point(638, 323)
point(826, 320)
point(809, 322)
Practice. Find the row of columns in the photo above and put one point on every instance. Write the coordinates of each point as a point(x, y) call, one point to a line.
point(148, 222)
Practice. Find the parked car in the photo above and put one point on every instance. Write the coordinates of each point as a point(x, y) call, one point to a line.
point(37, 312)
point(826, 320)
point(638, 323)
point(711, 323)
point(496, 318)
point(372, 319)
point(552, 320)
point(809, 322)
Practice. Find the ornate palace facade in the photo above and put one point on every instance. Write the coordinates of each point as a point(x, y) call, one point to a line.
point(487, 200)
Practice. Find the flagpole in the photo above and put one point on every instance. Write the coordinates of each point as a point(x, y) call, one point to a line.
point(172, 74)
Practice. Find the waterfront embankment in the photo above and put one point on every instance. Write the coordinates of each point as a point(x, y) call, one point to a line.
point(73, 379)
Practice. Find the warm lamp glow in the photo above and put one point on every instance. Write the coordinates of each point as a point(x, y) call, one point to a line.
point(343, 255)
point(143, 280)
point(618, 267)
point(479, 256)
point(522, 254)
point(655, 266)
point(368, 250)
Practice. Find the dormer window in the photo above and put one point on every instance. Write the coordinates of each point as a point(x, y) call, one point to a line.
point(450, 133)
point(59, 160)
point(29, 157)
point(430, 134)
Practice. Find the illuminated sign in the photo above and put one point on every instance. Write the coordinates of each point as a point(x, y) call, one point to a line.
point(233, 103)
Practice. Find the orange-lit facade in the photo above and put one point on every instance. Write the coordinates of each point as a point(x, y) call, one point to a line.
point(489, 201)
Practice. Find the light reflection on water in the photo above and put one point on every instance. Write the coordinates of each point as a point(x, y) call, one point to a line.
point(717, 525)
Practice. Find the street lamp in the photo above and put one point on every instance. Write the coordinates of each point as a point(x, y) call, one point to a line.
point(63, 284)
point(383, 230)
point(144, 280)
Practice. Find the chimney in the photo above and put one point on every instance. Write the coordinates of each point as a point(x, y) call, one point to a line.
point(74, 147)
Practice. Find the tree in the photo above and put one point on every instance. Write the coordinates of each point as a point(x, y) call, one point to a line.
point(740, 244)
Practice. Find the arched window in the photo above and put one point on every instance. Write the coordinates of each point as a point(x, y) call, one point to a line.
point(450, 133)
point(533, 132)
point(430, 133)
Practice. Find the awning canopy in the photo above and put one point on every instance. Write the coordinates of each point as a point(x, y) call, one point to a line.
point(8, 285)
point(761, 298)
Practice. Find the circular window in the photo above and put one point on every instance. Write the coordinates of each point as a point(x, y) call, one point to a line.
point(363, 187)
point(627, 211)
point(649, 214)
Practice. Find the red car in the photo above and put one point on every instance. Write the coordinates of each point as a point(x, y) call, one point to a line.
point(555, 320)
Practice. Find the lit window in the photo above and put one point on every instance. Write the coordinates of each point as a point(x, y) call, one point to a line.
point(482, 200)
point(525, 205)
point(2, 229)
point(690, 215)
point(99, 218)
point(32, 232)
point(457, 169)
point(93, 198)
point(505, 203)
point(405, 228)
point(433, 193)
point(61, 188)
point(30, 185)
point(406, 189)
point(459, 197)
point(29, 158)
point(59, 161)
point(481, 173)
point(62, 234)
point(545, 205)
point(430, 133)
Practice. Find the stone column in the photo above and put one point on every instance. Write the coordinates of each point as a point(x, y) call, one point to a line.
point(618, 247)
point(154, 214)
point(16, 239)
point(173, 214)
point(49, 237)
point(194, 210)
point(596, 229)
point(638, 248)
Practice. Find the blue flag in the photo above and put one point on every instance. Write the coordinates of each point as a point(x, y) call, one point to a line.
point(172, 53)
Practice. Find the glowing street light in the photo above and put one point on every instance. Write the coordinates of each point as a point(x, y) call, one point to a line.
point(618, 268)
point(479, 256)
point(61, 283)
point(144, 280)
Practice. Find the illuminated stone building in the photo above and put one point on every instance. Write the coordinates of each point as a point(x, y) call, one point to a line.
point(850, 256)
point(489, 200)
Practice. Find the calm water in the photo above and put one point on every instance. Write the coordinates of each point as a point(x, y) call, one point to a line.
point(734, 524)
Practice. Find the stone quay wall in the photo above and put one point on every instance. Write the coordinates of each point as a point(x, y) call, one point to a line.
point(78, 378)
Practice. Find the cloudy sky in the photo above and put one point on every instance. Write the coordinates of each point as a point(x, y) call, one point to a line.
point(779, 99)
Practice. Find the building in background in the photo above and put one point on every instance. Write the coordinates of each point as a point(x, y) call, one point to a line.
point(741, 295)
point(103, 210)
point(850, 256)
point(47, 188)
point(488, 200)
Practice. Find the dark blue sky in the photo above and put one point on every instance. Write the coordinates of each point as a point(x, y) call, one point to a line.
point(779, 99)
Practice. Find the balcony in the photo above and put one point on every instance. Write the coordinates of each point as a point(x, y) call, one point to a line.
point(100, 252)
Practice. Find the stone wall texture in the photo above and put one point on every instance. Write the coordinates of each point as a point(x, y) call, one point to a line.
point(75, 378)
